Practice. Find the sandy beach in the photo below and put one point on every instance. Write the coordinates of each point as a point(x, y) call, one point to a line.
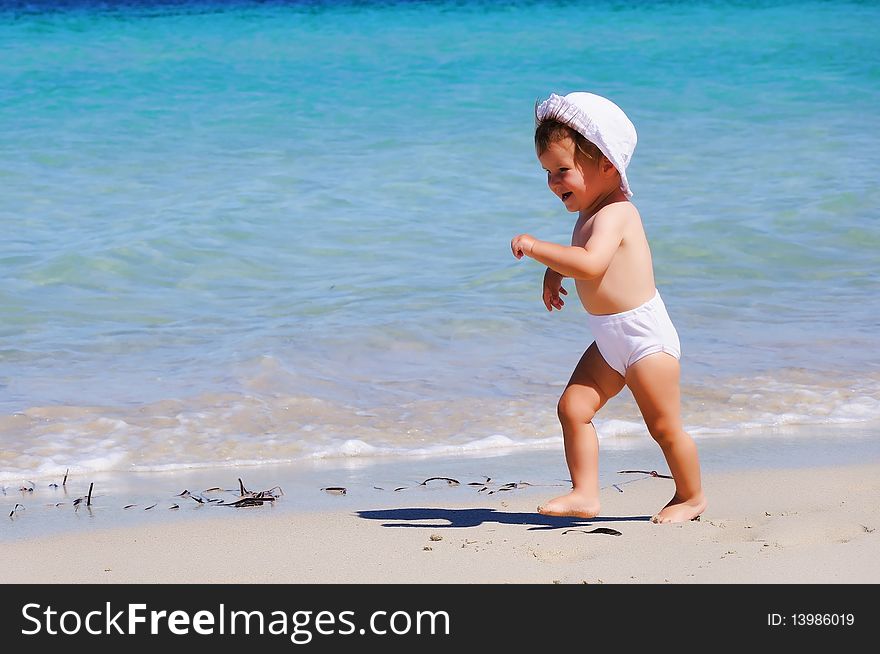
point(805, 525)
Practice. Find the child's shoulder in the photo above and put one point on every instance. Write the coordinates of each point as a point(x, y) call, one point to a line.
point(618, 219)
point(622, 211)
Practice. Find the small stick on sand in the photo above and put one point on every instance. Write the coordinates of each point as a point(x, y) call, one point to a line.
point(597, 530)
point(448, 480)
point(89, 498)
point(335, 490)
point(652, 473)
point(249, 501)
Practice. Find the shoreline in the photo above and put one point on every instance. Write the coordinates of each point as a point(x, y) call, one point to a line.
point(125, 499)
point(805, 523)
point(794, 526)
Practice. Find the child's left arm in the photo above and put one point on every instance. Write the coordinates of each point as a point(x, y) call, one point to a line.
point(587, 262)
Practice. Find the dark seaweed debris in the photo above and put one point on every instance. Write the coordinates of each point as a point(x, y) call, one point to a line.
point(597, 530)
point(248, 501)
point(652, 473)
point(245, 498)
point(250, 498)
point(448, 480)
point(481, 486)
point(335, 490)
point(649, 473)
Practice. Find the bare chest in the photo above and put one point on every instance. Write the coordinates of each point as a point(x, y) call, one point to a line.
point(582, 232)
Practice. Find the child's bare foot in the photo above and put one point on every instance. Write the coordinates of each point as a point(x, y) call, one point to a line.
point(681, 510)
point(574, 504)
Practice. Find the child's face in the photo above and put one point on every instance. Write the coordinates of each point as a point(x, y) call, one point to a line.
point(577, 186)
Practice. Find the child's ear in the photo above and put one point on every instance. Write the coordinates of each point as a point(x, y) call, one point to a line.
point(606, 166)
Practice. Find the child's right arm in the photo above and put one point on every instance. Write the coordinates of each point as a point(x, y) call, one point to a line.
point(552, 289)
point(579, 262)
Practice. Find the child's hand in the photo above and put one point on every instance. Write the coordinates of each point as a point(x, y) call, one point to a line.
point(522, 245)
point(552, 289)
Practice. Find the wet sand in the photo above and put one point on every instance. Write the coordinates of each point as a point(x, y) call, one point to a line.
point(799, 525)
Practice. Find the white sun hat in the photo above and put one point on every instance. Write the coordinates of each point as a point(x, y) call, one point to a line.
point(598, 120)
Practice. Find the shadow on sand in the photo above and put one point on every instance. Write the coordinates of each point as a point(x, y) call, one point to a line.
point(419, 517)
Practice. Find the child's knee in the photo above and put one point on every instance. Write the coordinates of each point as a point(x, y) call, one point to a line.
point(573, 407)
point(664, 430)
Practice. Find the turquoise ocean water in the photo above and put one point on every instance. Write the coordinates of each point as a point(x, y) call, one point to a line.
point(260, 233)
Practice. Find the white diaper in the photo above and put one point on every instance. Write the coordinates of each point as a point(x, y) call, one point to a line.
point(624, 338)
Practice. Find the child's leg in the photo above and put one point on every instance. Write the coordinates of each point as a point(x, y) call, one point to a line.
point(592, 384)
point(654, 382)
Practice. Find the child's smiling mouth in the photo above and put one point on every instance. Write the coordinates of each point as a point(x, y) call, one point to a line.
point(565, 195)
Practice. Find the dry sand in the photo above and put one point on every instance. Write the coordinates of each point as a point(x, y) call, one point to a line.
point(809, 525)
